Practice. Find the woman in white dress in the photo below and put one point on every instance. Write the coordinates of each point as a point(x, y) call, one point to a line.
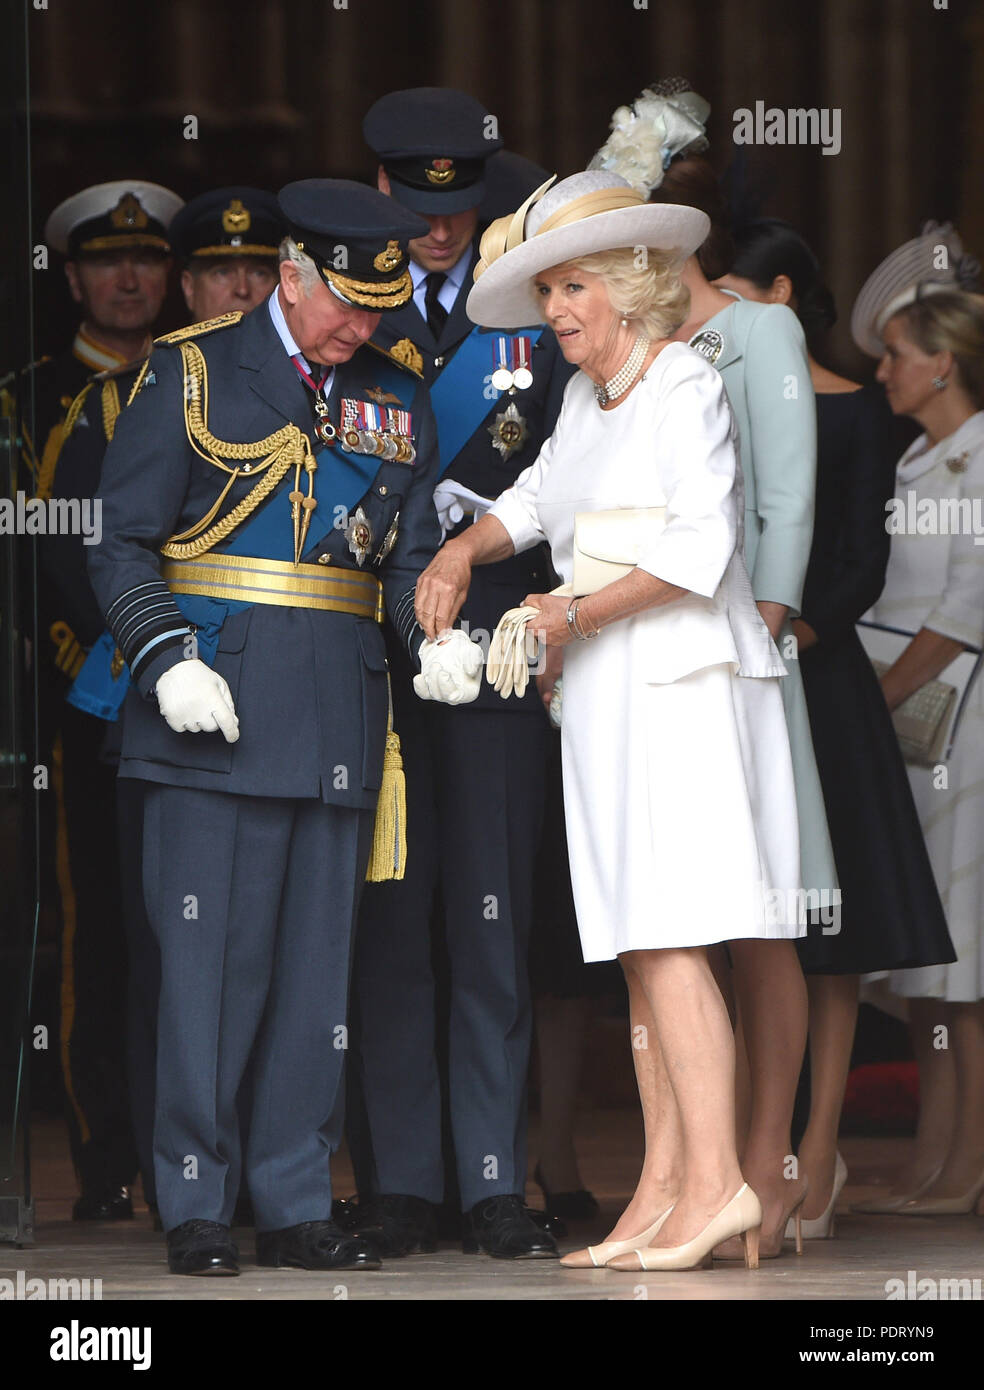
point(930, 336)
point(679, 797)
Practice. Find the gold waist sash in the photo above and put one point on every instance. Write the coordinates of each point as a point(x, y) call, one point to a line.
point(278, 582)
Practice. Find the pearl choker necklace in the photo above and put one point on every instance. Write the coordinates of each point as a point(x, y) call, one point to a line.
point(625, 376)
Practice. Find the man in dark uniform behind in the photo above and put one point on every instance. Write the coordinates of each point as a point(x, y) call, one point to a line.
point(285, 474)
point(475, 777)
point(115, 240)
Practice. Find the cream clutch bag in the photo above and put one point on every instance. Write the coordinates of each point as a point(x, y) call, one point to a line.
point(609, 545)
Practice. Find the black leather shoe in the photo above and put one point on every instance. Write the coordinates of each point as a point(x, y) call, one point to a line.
point(575, 1206)
point(315, 1245)
point(201, 1247)
point(113, 1204)
point(502, 1228)
point(396, 1224)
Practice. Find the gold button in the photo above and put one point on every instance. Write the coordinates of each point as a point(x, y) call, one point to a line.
point(324, 559)
point(247, 467)
point(383, 489)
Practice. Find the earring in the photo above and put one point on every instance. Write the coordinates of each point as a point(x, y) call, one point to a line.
point(625, 323)
point(939, 383)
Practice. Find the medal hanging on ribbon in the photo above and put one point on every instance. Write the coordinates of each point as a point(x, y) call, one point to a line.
point(323, 428)
point(511, 359)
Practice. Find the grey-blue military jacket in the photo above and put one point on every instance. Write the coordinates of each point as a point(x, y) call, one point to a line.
point(310, 687)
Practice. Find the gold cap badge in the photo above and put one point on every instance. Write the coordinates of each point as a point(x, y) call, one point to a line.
point(128, 213)
point(390, 258)
point(441, 171)
point(236, 218)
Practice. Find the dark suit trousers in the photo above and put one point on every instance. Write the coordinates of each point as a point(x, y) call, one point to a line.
point(253, 902)
point(475, 801)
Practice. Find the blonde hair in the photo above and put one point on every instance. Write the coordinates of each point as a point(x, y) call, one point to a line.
point(951, 321)
point(307, 271)
point(644, 285)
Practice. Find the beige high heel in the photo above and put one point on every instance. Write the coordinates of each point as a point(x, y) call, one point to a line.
point(599, 1255)
point(771, 1248)
point(945, 1206)
point(819, 1227)
point(742, 1216)
point(889, 1206)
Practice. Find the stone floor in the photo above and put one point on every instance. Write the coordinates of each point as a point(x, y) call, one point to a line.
point(868, 1251)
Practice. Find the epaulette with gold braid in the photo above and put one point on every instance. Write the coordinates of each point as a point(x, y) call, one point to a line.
point(403, 354)
point(198, 330)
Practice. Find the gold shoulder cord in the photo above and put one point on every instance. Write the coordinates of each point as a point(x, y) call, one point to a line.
point(56, 439)
point(110, 408)
point(280, 451)
point(135, 388)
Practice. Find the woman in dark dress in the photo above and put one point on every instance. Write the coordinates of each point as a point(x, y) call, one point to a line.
point(889, 915)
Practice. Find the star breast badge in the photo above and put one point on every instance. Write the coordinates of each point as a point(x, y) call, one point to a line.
point(509, 432)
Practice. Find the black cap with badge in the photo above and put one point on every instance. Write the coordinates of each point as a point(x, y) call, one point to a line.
point(433, 143)
point(235, 221)
point(356, 236)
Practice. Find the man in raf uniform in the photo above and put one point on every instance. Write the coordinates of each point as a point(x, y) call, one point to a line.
point(265, 495)
point(115, 240)
point(227, 240)
point(475, 776)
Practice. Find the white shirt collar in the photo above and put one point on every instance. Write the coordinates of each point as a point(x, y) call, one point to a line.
point(456, 275)
point(287, 338)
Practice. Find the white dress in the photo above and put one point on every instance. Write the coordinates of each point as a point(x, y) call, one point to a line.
point(678, 784)
point(937, 581)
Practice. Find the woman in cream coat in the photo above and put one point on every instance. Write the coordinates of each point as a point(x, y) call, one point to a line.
point(677, 775)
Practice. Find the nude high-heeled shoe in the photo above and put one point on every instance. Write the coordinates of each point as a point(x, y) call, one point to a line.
point(945, 1206)
point(597, 1256)
point(890, 1206)
point(771, 1241)
point(742, 1216)
point(820, 1227)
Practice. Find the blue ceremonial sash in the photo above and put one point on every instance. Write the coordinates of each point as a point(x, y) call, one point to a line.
point(463, 394)
point(340, 482)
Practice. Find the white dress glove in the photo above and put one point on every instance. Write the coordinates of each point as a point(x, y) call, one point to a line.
point(194, 699)
point(450, 669)
point(510, 652)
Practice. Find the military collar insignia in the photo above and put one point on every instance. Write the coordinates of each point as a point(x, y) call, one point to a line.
point(958, 463)
point(128, 214)
point(709, 342)
point(407, 354)
point(441, 172)
point(236, 219)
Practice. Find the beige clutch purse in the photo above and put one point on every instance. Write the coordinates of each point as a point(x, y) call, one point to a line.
point(922, 721)
point(609, 545)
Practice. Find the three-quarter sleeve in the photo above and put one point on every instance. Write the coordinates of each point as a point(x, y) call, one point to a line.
point(960, 611)
point(783, 449)
point(697, 465)
point(847, 571)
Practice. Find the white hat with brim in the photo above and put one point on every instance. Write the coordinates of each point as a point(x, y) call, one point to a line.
point(929, 264)
point(586, 213)
point(152, 202)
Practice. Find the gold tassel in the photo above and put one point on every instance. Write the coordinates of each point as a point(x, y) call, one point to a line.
point(388, 858)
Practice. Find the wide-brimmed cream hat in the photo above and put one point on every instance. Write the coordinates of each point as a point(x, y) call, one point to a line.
point(933, 261)
point(589, 212)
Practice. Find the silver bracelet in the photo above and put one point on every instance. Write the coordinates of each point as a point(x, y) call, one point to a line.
point(575, 624)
